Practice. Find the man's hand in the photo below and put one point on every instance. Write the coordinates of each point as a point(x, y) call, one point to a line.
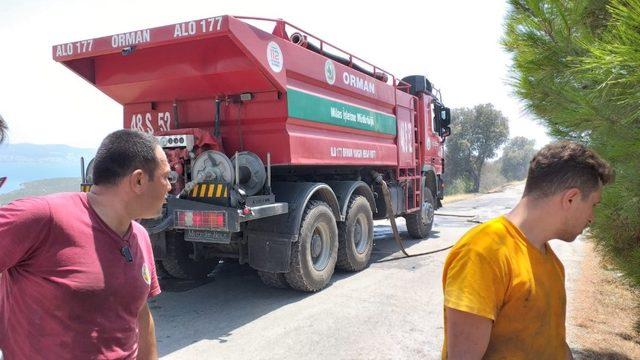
point(147, 347)
point(467, 334)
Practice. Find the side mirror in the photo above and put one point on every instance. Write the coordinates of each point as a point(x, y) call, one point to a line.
point(445, 115)
point(442, 119)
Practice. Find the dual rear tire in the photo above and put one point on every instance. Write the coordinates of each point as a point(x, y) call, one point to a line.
point(355, 236)
point(323, 244)
point(313, 256)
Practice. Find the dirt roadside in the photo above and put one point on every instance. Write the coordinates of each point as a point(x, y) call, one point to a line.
point(606, 312)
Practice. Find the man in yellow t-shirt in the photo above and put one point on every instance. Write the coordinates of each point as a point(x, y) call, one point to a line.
point(504, 292)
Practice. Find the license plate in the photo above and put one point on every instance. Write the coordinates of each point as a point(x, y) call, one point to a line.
point(207, 236)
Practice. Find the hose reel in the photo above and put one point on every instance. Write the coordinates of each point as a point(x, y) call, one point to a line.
point(215, 166)
point(212, 165)
point(251, 172)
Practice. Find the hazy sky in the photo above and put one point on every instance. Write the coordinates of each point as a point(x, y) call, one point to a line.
point(456, 43)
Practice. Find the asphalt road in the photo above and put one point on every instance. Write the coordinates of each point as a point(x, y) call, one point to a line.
point(391, 310)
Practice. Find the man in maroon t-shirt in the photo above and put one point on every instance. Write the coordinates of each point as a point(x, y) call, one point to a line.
point(76, 269)
point(3, 133)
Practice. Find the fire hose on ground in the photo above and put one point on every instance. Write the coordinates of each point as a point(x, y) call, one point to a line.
point(396, 235)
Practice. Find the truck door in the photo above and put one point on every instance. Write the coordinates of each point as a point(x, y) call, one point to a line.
point(432, 145)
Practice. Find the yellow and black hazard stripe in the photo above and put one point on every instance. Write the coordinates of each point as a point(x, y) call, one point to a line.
point(85, 187)
point(209, 191)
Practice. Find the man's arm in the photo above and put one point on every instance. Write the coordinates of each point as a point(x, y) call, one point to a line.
point(569, 354)
point(24, 226)
point(147, 347)
point(467, 334)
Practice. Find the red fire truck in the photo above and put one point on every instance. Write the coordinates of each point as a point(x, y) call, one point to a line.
point(280, 144)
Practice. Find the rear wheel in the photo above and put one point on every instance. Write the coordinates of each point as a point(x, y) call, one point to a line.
point(181, 265)
point(313, 256)
point(355, 236)
point(161, 273)
point(273, 279)
point(419, 224)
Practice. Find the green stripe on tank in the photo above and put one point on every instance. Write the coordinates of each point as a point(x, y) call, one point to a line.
point(307, 106)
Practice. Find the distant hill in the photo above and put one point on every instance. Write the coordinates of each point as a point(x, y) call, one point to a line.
point(35, 153)
point(41, 187)
point(23, 164)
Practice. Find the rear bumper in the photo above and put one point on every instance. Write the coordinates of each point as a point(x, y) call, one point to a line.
point(234, 216)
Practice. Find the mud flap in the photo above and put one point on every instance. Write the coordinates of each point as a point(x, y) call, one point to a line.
point(268, 251)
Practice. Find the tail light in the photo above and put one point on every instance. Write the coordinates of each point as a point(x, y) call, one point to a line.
point(203, 220)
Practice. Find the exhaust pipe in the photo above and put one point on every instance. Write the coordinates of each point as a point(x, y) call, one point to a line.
point(82, 173)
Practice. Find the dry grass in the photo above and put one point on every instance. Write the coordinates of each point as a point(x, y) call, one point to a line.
point(466, 196)
point(459, 197)
point(502, 187)
point(606, 313)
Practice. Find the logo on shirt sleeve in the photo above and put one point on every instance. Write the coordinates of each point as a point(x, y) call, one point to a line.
point(146, 274)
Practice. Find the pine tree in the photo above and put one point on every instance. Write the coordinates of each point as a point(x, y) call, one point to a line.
point(575, 66)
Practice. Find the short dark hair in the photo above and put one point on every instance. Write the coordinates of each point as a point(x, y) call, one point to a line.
point(123, 152)
point(3, 129)
point(565, 165)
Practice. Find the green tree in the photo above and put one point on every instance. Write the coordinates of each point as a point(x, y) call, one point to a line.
point(477, 133)
point(575, 66)
point(3, 129)
point(546, 38)
point(491, 179)
point(516, 156)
